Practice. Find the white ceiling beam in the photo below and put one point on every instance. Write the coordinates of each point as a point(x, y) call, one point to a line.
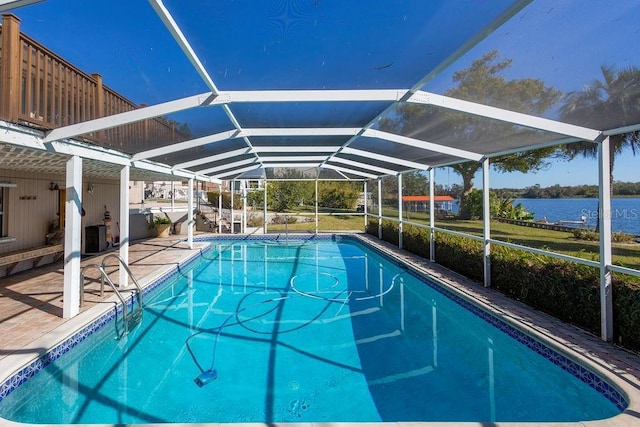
point(553, 143)
point(222, 175)
point(205, 160)
point(301, 131)
point(294, 149)
point(228, 166)
point(14, 4)
point(503, 115)
point(361, 95)
point(192, 143)
point(291, 165)
point(388, 159)
point(166, 170)
point(365, 166)
point(133, 116)
point(621, 130)
point(299, 158)
point(347, 170)
point(182, 41)
point(412, 142)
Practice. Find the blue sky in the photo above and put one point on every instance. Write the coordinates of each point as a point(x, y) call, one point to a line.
point(153, 69)
point(588, 30)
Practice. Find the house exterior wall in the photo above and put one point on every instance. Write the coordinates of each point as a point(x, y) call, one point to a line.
point(31, 209)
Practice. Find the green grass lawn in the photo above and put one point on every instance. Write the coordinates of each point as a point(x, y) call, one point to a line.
point(627, 255)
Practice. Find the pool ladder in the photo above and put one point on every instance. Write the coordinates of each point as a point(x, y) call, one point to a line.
point(130, 318)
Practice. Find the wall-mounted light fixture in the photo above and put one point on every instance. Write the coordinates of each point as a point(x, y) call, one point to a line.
point(90, 188)
point(53, 186)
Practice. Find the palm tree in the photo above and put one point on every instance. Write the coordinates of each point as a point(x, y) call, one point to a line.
point(611, 103)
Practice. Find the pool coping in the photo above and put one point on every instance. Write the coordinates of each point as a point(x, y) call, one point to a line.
point(487, 300)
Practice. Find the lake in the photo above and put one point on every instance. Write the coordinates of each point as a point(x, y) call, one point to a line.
point(625, 212)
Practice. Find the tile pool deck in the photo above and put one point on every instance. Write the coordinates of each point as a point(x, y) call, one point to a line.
point(31, 313)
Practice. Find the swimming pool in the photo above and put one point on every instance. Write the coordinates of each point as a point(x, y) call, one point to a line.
point(283, 331)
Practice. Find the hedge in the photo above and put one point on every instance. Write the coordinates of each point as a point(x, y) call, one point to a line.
point(566, 290)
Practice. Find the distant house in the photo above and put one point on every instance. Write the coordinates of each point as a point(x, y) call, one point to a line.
point(443, 204)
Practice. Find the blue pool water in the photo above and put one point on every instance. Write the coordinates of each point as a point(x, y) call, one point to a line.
point(261, 331)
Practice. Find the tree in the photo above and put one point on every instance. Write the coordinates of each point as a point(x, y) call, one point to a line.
point(283, 195)
point(483, 83)
point(414, 184)
point(612, 102)
point(338, 195)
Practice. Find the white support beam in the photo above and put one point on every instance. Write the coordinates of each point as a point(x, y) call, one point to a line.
point(244, 208)
point(123, 224)
point(264, 207)
point(233, 191)
point(300, 158)
point(503, 115)
point(379, 208)
point(412, 142)
point(186, 145)
point(400, 210)
point(486, 220)
point(219, 219)
point(130, 117)
point(182, 41)
point(315, 195)
point(215, 158)
point(363, 95)
point(14, 4)
point(384, 158)
point(301, 131)
point(361, 165)
point(432, 215)
point(267, 164)
point(162, 169)
point(604, 226)
point(228, 166)
point(88, 152)
point(72, 238)
point(546, 144)
point(295, 149)
point(364, 192)
point(347, 170)
point(235, 172)
point(190, 220)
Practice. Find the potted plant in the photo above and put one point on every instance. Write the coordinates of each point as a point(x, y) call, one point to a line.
point(162, 225)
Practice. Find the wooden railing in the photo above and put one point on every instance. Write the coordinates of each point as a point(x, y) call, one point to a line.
point(41, 89)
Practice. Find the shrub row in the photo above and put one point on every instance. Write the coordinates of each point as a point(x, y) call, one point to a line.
point(566, 290)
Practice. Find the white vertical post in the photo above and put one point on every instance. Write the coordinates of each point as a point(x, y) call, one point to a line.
point(432, 215)
point(244, 206)
point(379, 208)
point(190, 215)
point(400, 210)
point(264, 214)
point(604, 223)
point(220, 207)
point(72, 238)
point(233, 189)
point(486, 219)
point(123, 226)
point(316, 195)
point(364, 190)
point(173, 196)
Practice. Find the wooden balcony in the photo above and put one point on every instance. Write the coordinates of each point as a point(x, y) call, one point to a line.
point(42, 90)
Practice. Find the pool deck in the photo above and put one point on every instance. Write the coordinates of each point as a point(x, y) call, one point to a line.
point(31, 301)
point(31, 316)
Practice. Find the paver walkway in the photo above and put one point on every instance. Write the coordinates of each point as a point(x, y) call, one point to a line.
point(31, 301)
